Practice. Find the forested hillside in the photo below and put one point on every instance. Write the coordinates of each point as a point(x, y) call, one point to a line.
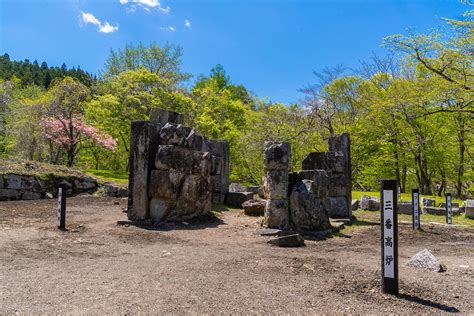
point(409, 113)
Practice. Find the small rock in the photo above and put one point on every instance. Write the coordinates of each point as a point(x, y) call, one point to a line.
point(294, 240)
point(426, 260)
point(254, 207)
point(48, 196)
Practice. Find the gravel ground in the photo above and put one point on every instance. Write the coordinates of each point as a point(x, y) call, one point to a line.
point(214, 265)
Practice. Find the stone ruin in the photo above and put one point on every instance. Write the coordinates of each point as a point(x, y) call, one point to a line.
point(175, 173)
point(306, 199)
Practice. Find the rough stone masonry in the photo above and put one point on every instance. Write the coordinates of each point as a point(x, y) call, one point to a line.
point(306, 199)
point(175, 173)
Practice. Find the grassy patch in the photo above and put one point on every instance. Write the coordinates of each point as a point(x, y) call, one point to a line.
point(425, 218)
point(40, 170)
point(405, 197)
point(110, 175)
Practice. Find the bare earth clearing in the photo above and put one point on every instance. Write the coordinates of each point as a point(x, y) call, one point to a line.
point(214, 265)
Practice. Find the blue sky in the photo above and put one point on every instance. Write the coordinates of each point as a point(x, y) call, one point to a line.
point(271, 47)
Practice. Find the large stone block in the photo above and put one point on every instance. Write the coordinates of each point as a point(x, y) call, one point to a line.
point(9, 194)
point(427, 202)
point(185, 160)
point(276, 184)
point(254, 207)
point(236, 187)
point(320, 181)
point(236, 199)
point(31, 195)
point(174, 134)
point(144, 136)
point(277, 214)
point(196, 141)
point(216, 165)
point(220, 148)
point(166, 184)
point(161, 117)
point(21, 182)
point(405, 208)
point(277, 156)
point(469, 208)
point(308, 211)
point(313, 161)
point(196, 187)
point(160, 208)
point(337, 207)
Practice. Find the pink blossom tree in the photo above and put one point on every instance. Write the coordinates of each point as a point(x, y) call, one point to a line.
point(70, 133)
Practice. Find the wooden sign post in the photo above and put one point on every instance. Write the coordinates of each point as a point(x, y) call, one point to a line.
point(415, 200)
point(61, 213)
point(449, 209)
point(389, 233)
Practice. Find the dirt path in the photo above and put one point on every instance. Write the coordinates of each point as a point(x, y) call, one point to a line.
point(216, 265)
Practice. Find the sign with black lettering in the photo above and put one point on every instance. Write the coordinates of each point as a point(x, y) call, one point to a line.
point(389, 230)
point(415, 199)
point(449, 209)
point(61, 213)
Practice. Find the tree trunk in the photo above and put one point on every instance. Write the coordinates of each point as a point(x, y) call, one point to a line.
point(462, 150)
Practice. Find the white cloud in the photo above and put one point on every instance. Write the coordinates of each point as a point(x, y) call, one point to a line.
point(89, 18)
point(168, 28)
point(148, 4)
point(107, 28)
point(187, 23)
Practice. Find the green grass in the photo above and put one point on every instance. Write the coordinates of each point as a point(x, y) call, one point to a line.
point(405, 197)
point(120, 177)
point(425, 218)
point(40, 170)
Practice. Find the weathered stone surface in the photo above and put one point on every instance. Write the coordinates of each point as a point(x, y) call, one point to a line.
point(196, 187)
point(236, 187)
point(216, 184)
point(196, 141)
point(30, 195)
point(277, 156)
point(373, 205)
point(308, 211)
point(170, 157)
point(2, 185)
point(9, 194)
point(425, 202)
point(313, 161)
point(253, 188)
point(320, 181)
point(144, 136)
point(355, 205)
point(220, 148)
point(115, 191)
point(236, 199)
point(425, 260)
point(216, 166)
point(469, 208)
point(254, 207)
point(365, 201)
point(277, 214)
point(166, 184)
point(161, 117)
point(160, 208)
point(434, 210)
point(294, 240)
point(405, 208)
point(276, 184)
point(21, 182)
point(337, 207)
point(174, 134)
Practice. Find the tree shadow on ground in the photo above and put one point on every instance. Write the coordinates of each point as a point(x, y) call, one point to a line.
point(425, 302)
point(356, 223)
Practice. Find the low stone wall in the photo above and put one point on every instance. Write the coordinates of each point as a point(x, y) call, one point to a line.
point(28, 187)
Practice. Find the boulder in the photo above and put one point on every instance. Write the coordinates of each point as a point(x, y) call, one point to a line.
point(115, 191)
point(405, 208)
point(294, 240)
point(236, 199)
point(9, 194)
point(373, 205)
point(434, 210)
point(308, 211)
point(21, 182)
point(277, 214)
point(469, 208)
point(426, 202)
point(277, 156)
point(355, 205)
point(426, 261)
point(31, 195)
point(365, 201)
point(254, 207)
point(315, 160)
point(236, 187)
